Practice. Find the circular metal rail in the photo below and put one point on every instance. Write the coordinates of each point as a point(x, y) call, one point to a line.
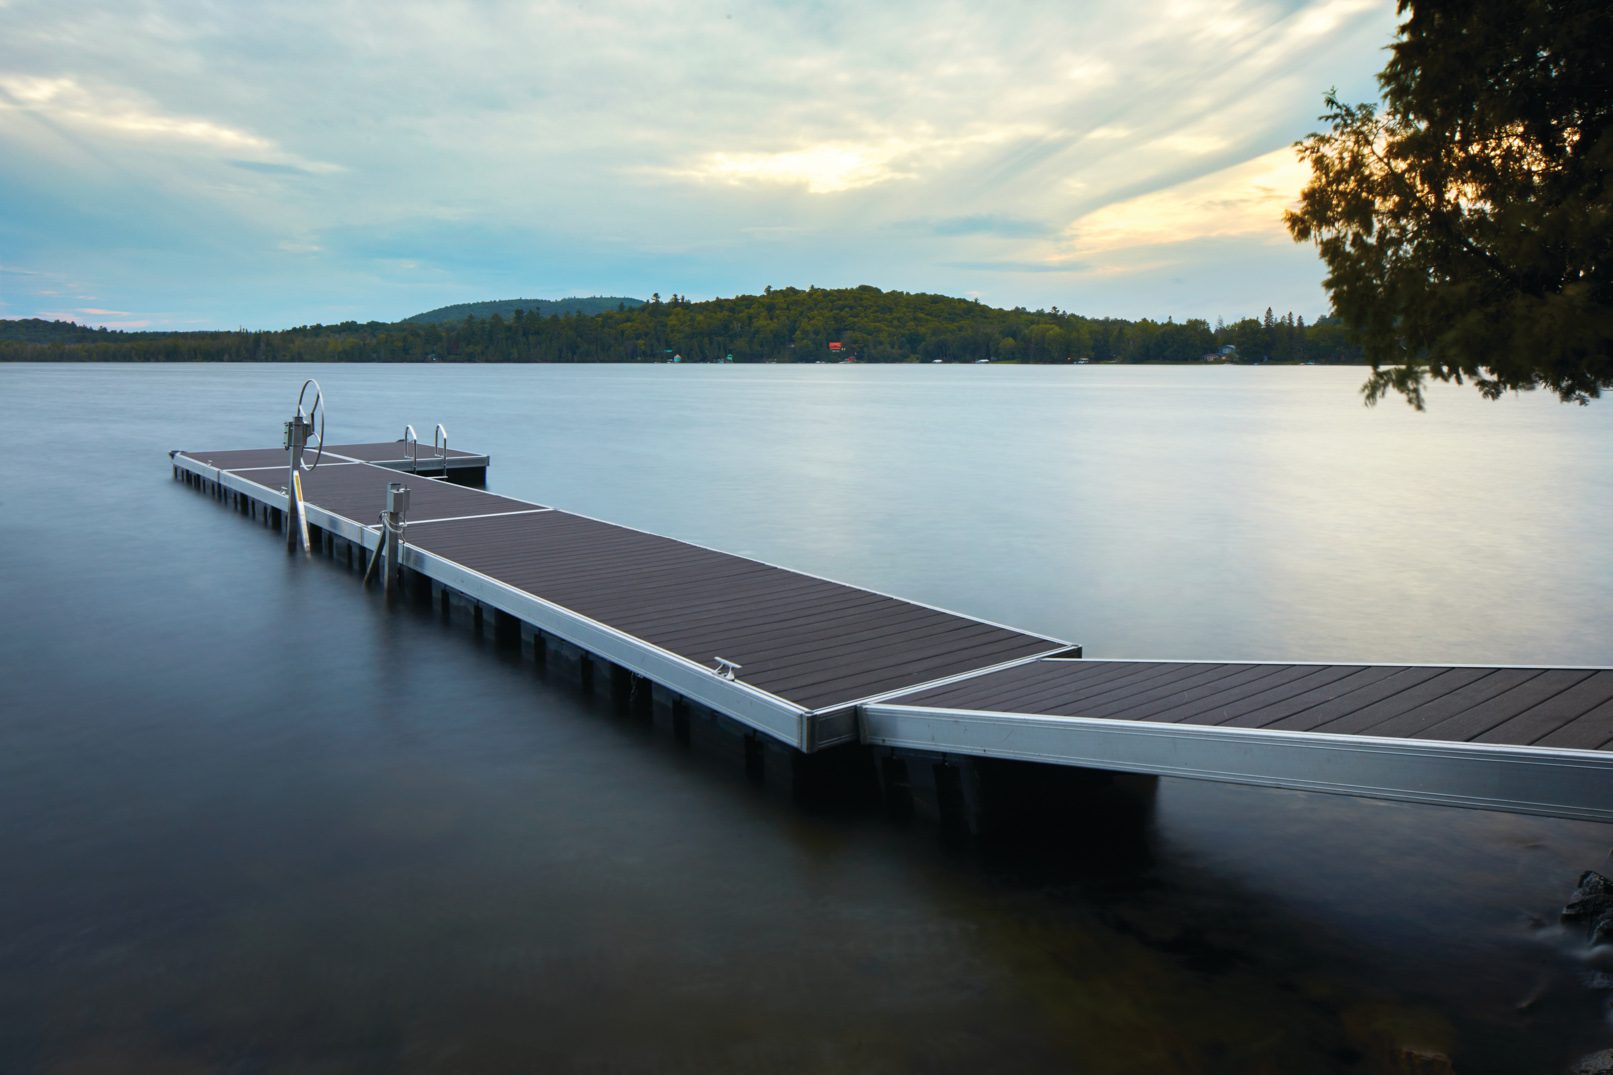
point(316, 407)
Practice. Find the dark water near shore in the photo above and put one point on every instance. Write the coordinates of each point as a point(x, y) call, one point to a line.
point(252, 821)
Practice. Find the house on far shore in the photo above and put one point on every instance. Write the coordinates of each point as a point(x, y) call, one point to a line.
point(1228, 353)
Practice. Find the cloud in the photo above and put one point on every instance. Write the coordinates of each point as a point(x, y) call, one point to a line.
point(998, 224)
point(1005, 265)
point(834, 167)
point(282, 160)
point(94, 320)
point(113, 112)
point(828, 168)
point(65, 99)
point(1246, 199)
point(275, 168)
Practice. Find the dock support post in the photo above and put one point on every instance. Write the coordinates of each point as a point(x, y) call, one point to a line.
point(506, 630)
point(680, 720)
point(395, 522)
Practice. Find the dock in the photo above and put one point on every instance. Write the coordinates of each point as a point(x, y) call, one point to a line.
point(818, 666)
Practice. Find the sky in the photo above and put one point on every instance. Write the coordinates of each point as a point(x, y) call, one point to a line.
point(225, 165)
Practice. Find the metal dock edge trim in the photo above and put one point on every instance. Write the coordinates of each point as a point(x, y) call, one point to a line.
point(743, 702)
point(733, 698)
point(1344, 664)
point(1533, 780)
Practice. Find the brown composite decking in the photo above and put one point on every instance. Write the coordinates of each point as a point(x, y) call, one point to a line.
point(1570, 708)
point(817, 644)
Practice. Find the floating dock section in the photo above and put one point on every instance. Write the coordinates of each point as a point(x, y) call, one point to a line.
point(1529, 740)
point(786, 653)
point(814, 664)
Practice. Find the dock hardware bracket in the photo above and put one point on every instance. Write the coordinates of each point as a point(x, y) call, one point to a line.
point(303, 425)
point(394, 525)
point(725, 668)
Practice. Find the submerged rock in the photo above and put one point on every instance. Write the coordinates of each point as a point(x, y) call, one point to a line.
point(1593, 896)
point(1596, 1064)
point(1424, 1062)
point(1602, 931)
point(1592, 903)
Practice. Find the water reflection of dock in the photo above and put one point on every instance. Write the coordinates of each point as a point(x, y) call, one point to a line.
point(775, 656)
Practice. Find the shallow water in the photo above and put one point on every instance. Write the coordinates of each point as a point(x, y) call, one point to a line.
point(252, 820)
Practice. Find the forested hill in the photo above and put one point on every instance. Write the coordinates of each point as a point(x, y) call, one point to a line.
point(37, 330)
point(779, 325)
point(592, 304)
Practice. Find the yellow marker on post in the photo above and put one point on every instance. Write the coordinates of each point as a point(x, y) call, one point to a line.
point(302, 513)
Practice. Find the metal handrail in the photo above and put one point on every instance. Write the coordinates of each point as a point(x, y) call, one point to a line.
point(444, 431)
point(412, 438)
point(317, 406)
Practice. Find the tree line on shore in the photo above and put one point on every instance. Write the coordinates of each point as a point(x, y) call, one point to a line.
point(779, 325)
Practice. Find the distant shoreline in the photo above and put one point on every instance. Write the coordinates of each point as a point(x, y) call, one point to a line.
point(15, 361)
point(784, 326)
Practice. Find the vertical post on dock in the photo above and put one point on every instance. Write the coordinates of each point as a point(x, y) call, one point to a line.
point(296, 441)
point(394, 519)
point(298, 430)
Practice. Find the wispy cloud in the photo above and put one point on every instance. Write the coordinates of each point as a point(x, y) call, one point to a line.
point(97, 318)
point(821, 169)
point(1068, 268)
point(112, 112)
point(998, 224)
point(1246, 199)
point(833, 167)
point(65, 99)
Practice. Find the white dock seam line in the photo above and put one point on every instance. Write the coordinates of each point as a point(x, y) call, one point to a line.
point(947, 680)
point(1553, 781)
point(488, 515)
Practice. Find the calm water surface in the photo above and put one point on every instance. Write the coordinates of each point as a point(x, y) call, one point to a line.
point(251, 820)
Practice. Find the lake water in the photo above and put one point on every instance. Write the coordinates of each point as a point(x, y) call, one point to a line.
point(252, 820)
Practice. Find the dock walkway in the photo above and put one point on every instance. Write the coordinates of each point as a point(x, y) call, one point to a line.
point(805, 650)
point(1526, 740)
point(814, 663)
